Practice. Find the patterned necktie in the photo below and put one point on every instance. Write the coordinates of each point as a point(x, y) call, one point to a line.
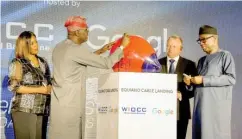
point(172, 68)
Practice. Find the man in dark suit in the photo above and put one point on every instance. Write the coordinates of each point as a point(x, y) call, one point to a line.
point(173, 63)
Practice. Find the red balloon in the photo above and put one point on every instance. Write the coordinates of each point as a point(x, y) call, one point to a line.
point(139, 56)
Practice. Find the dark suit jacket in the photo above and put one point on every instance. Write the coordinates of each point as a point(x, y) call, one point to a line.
point(188, 67)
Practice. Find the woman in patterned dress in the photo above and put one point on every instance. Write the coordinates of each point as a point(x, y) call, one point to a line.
point(29, 80)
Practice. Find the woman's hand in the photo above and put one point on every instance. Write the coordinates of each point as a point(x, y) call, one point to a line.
point(44, 90)
point(49, 88)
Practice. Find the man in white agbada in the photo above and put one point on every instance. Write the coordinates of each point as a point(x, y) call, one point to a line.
point(213, 95)
point(70, 61)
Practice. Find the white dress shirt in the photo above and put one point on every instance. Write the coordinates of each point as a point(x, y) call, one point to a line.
point(174, 64)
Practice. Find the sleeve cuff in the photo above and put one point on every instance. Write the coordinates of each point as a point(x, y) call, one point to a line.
point(206, 81)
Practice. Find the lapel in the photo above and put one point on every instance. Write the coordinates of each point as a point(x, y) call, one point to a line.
point(180, 69)
point(164, 66)
point(179, 66)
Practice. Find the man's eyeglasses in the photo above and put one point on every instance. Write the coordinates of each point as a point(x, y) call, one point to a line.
point(199, 41)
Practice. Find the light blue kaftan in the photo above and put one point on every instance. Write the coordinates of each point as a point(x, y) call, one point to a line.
point(213, 99)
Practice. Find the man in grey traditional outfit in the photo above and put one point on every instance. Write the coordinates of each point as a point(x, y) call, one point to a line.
point(70, 61)
point(213, 95)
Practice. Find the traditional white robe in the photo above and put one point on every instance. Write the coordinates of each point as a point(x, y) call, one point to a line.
point(70, 63)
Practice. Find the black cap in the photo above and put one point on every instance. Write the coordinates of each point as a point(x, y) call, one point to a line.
point(206, 29)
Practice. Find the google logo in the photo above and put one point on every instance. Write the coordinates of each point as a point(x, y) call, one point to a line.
point(160, 111)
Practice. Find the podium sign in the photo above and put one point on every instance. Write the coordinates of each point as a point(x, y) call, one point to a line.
point(90, 120)
point(137, 106)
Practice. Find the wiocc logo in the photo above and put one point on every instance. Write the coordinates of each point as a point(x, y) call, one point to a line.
point(161, 111)
point(155, 41)
point(107, 109)
point(134, 110)
point(37, 27)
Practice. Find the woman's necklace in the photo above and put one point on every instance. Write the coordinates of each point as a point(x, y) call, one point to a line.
point(34, 62)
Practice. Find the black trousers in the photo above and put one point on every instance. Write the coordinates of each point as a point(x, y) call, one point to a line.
point(44, 127)
point(27, 125)
point(182, 128)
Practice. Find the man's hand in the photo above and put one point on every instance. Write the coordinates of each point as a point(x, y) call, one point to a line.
point(179, 96)
point(125, 40)
point(197, 79)
point(104, 48)
point(108, 46)
point(187, 79)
